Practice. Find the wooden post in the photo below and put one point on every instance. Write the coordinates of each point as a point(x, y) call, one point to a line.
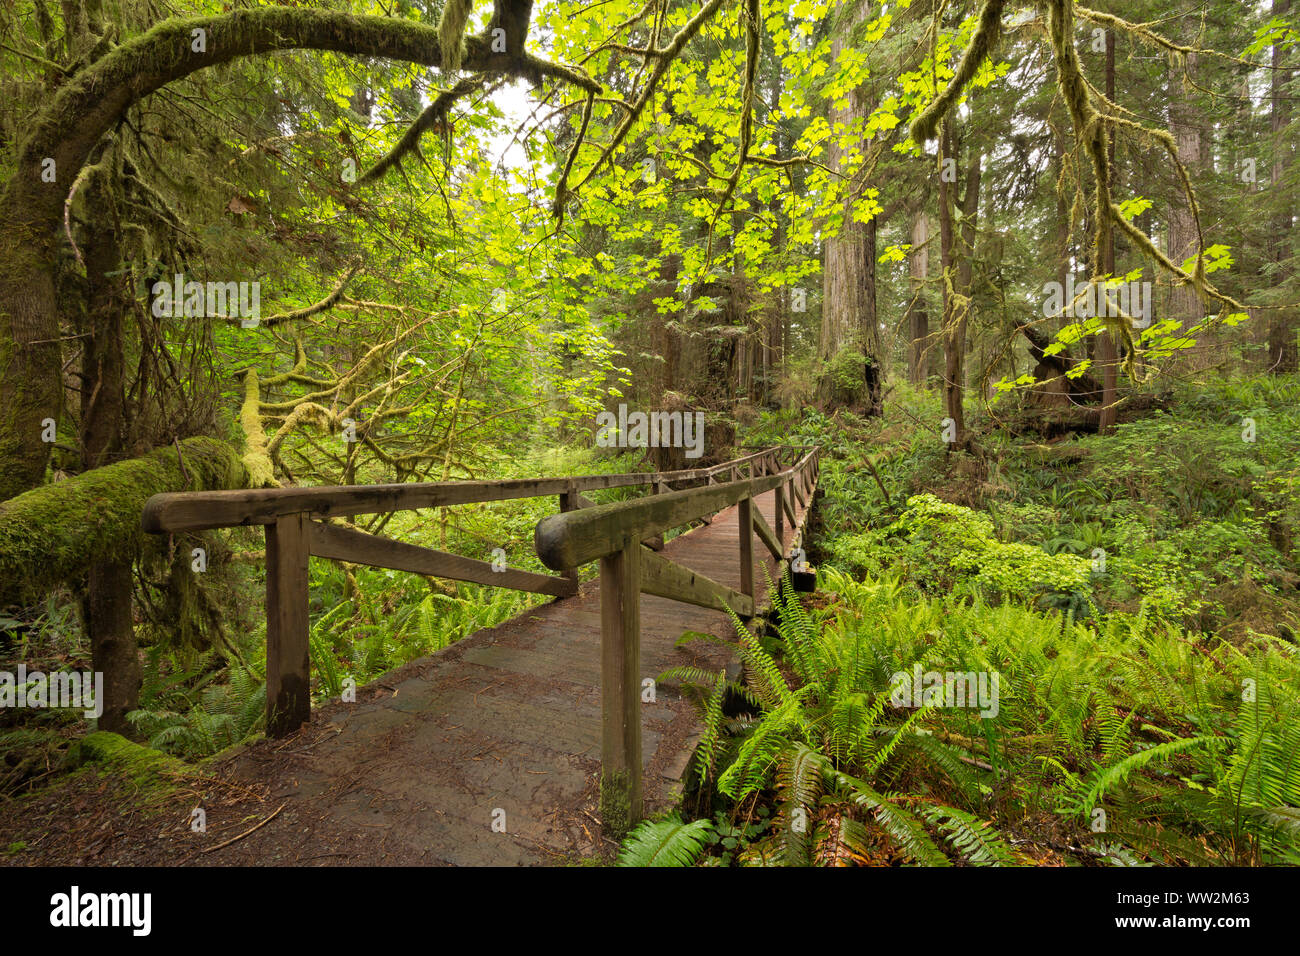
point(777, 494)
point(746, 512)
point(655, 542)
point(569, 502)
point(620, 691)
point(288, 685)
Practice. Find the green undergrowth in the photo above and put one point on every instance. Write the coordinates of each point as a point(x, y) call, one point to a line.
point(1117, 742)
point(1135, 594)
point(1176, 513)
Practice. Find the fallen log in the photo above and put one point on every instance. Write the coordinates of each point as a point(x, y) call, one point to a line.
point(1080, 390)
point(57, 532)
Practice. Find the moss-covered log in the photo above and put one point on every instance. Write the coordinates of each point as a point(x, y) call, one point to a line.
point(56, 532)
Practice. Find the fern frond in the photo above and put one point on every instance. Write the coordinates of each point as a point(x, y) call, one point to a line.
point(665, 843)
point(976, 840)
point(1110, 777)
point(905, 828)
point(1165, 846)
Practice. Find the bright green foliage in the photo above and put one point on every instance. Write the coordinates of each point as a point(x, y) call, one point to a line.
point(945, 542)
point(665, 843)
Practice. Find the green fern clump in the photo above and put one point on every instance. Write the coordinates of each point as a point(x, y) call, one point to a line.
point(1191, 749)
point(826, 728)
point(225, 714)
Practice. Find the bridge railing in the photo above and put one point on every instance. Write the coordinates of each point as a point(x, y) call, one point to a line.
point(615, 535)
point(299, 524)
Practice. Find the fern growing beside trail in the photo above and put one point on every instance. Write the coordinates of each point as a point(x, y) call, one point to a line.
point(1114, 741)
point(665, 843)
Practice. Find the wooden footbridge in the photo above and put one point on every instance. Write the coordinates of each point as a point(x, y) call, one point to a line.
point(499, 733)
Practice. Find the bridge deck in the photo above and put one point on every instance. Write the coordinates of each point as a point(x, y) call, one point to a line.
point(501, 728)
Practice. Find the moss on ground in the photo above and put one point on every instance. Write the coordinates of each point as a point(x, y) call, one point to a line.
point(142, 767)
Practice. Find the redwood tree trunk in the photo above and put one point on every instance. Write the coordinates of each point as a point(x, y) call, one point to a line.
point(849, 268)
point(957, 246)
point(921, 355)
point(1185, 126)
point(1107, 351)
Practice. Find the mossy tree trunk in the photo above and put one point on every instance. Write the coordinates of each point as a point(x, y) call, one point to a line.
point(86, 531)
point(107, 599)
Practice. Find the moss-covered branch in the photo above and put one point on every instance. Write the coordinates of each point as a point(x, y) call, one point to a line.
point(434, 114)
point(52, 534)
point(982, 44)
point(257, 455)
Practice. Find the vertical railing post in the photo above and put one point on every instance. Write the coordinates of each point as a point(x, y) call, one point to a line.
point(746, 513)
point(620, 690)
point(288, 687)
point(655, 542)
point(569, 502)
point(779, 492)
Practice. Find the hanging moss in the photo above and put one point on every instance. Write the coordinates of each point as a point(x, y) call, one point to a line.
point(451, 32)
point(189, 616)
point(982, 44)
point(52, 533)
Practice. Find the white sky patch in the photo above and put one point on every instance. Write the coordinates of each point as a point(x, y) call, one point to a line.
point(517, 103)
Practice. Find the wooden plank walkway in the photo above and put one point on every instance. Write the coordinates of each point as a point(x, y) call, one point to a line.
point(488, 753)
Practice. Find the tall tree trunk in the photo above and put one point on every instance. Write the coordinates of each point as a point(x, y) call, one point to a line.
point(1107, 349)
point(952, 372)
point(921, 355)
point(1184, 125)
point(958, 220)
point(1282, 354)
point(106, 602)
point(849, 268)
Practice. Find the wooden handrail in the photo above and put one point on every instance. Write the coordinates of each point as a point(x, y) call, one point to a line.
point(565, 541)
point(200, 510)
point(294, 534)
point(613, 534)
